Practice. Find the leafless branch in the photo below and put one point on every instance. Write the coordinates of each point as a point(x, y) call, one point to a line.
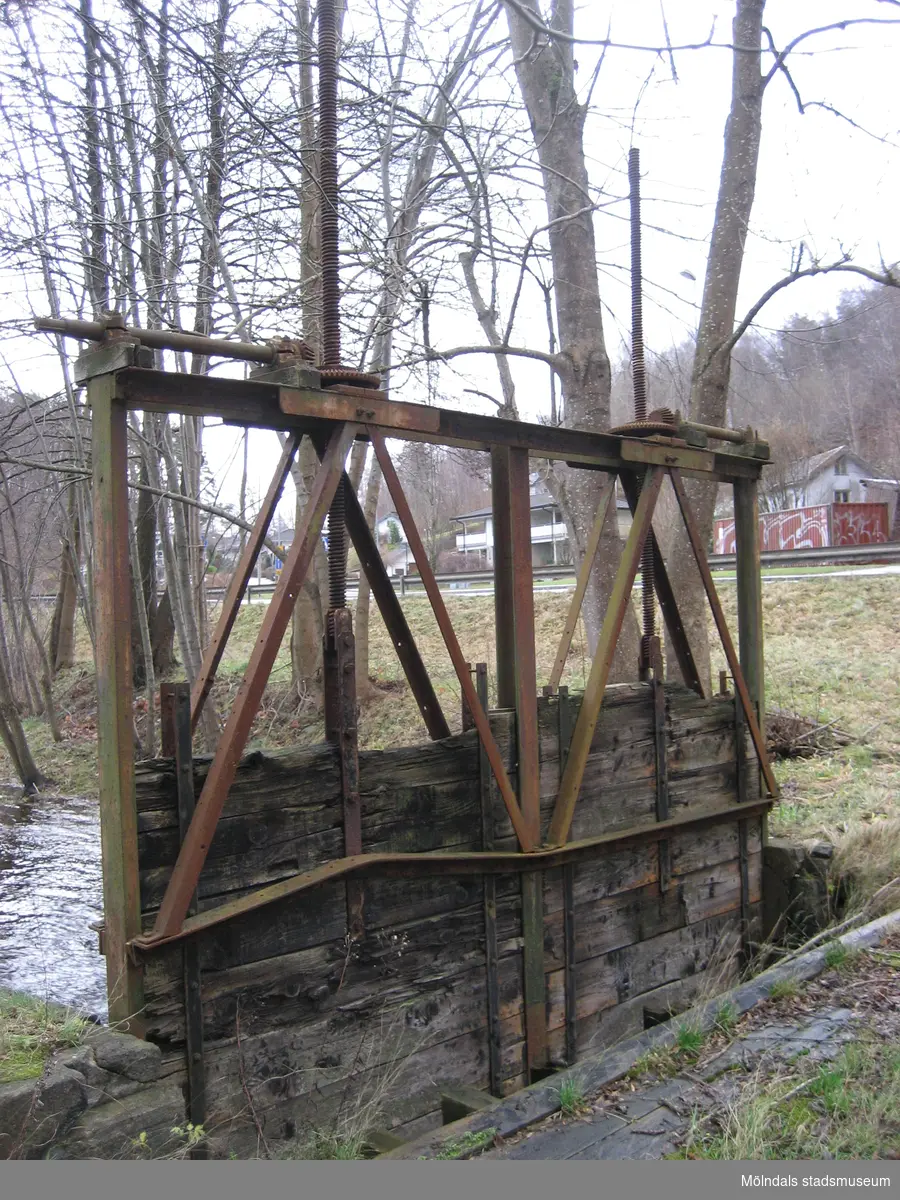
point(888, 277)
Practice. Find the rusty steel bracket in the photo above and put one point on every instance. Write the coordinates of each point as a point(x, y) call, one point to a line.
point(117, 350)
point(658, 692)
point(436, 863)
point(341, 729)
point(564, 730)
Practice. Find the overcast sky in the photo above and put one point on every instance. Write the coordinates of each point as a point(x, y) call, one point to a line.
point(823, 181)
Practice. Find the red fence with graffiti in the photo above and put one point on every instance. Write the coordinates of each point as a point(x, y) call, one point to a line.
point(814, 527)
point(859, 524)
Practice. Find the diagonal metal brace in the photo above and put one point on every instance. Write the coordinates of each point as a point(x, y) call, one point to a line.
point(479, 716)
point(232, 603)
point(734, 665)
point(584, 575)
point(589, 712)
point(223, 768)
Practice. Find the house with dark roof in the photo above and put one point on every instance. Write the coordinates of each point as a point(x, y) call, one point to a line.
point(549, 538)
point(837, 476)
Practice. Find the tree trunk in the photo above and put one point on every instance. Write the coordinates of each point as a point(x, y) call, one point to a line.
point(13, 736)
point(546, 74)
point(712, 367)
point(162, 637)
point(62, 629)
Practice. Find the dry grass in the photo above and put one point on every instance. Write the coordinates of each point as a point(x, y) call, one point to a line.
point(846, 1109)
point(867, 859)
point(832, 654)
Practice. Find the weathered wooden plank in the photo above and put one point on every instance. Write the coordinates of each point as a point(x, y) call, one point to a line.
point(361, 1035)
point(635, 916)
point(397, 1091)
point(610, 979)
point(263, 780)
point(421, 798)
point(268, 779)
point(636, 866)
point(311, 984)
point(609, 1026)
point(630, 868)
point(438, 921)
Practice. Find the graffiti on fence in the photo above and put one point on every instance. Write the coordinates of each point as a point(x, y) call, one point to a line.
point(859, 524)
point(817, 526)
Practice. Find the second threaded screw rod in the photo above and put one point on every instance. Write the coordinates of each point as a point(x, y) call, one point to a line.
point(639, 385)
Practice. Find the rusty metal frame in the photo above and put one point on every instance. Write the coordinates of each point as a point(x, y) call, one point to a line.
point(333, 417)
point(270, 406)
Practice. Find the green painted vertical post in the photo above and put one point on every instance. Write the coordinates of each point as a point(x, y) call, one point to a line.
point(115, 721)
point(749, 601)
point(503, 577)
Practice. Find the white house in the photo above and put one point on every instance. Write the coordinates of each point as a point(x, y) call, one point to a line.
point(390, 529)
point(549, 537)
point(837, 476)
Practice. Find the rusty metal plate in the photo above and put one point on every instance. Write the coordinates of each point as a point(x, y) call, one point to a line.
point(359, 405)
point(655, 453)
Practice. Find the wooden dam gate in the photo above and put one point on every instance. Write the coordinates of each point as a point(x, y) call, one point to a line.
point(301, 928)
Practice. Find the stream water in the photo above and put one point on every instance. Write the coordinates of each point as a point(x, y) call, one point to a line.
point(50, 892)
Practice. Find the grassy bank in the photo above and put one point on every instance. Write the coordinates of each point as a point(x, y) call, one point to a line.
point(30, 1029)
point(832, 653)
point(845, 1107)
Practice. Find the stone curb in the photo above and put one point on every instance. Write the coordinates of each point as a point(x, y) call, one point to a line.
point(513, 1113)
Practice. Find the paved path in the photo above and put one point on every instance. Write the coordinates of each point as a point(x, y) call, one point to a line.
point(649, 1121)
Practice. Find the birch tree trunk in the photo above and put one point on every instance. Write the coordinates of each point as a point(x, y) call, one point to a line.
point(545, 71)
point(712, 366)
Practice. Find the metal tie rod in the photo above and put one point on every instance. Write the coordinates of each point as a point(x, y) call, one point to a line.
point(160, 339)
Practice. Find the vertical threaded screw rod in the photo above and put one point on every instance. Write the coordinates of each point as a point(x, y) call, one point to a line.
point(328, 184)
point(639, 384)
point(328, 249)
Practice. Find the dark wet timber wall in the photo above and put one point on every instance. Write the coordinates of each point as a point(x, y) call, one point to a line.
point(305, 1028)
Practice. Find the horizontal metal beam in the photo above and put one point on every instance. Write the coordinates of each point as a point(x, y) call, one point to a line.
point(462, 862)
point(268, 406)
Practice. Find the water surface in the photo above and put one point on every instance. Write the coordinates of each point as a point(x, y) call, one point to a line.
point(50, 892)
